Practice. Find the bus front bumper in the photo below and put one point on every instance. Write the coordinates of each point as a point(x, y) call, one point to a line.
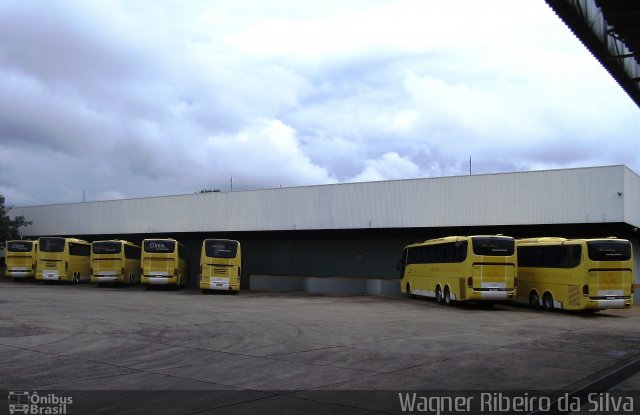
point(107, 278)
point(493, 295)
point(48, 275)
point(603, 304)
point(19, 273)
point(216, 284)
point(159, 280)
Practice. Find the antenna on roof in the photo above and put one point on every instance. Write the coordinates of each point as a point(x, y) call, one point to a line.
point(469, 165)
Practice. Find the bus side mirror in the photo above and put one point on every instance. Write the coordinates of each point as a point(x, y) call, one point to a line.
point(399, 265)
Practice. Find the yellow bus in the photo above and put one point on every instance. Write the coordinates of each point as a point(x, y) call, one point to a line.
point(164, 262)
point(575, 274)
point(63, 259)
point(460, 268)
point(115, 261)
point(21, 259)
point(220, 265)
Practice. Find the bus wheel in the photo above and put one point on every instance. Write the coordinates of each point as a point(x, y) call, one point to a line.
point(439, 298)
point(408, 291)
point(447, 297)
point(534, 300)
point(547, 301)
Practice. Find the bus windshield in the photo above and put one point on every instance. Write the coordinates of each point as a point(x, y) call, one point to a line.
point(107, 247)
point(609, 250)
point(52, 244)
point(22, 246)
point(221, 249)
point(159, 246)
point(493, 246)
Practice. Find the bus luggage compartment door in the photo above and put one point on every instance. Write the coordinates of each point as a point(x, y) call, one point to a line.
point(159, 270)
point(493, 281)
point(610, 287)
point(107, 269)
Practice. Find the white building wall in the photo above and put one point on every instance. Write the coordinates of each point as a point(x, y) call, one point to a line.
point(631, 198)
point(586, 195)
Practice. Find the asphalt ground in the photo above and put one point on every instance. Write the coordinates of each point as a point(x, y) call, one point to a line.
point(131, 350)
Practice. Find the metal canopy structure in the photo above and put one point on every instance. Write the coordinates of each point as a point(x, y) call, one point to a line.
point(610, 29)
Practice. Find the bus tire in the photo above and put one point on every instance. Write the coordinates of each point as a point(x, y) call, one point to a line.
point(439, 298)
point(534, 300)
point(547, 301)
point(447, 297)
point(408, 291)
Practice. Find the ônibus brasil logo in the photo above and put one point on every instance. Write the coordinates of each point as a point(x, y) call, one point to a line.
point(23, 402)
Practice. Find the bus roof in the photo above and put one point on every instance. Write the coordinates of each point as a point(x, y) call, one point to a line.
point(220, 239)
point(116, 240)
point(542, 239)
point(561, 241)
point(76, 240)
point(447, 239)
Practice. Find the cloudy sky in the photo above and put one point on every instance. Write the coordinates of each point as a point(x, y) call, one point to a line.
point(120, 99)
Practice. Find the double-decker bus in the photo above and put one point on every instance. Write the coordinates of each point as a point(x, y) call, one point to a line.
point(115, 261)
point(220, 265)
point(460, 268)
point(575, 274)
point(21, 259)
point(164, 262)
point(63, 259)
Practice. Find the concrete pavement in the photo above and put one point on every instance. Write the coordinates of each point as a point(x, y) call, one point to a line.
point(129, 350)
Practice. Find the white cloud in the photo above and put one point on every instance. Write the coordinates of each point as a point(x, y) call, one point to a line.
point(127, 99)
point(389, 166)
point(267, 151)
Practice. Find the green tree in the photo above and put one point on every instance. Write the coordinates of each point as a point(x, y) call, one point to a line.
point(9, 228)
